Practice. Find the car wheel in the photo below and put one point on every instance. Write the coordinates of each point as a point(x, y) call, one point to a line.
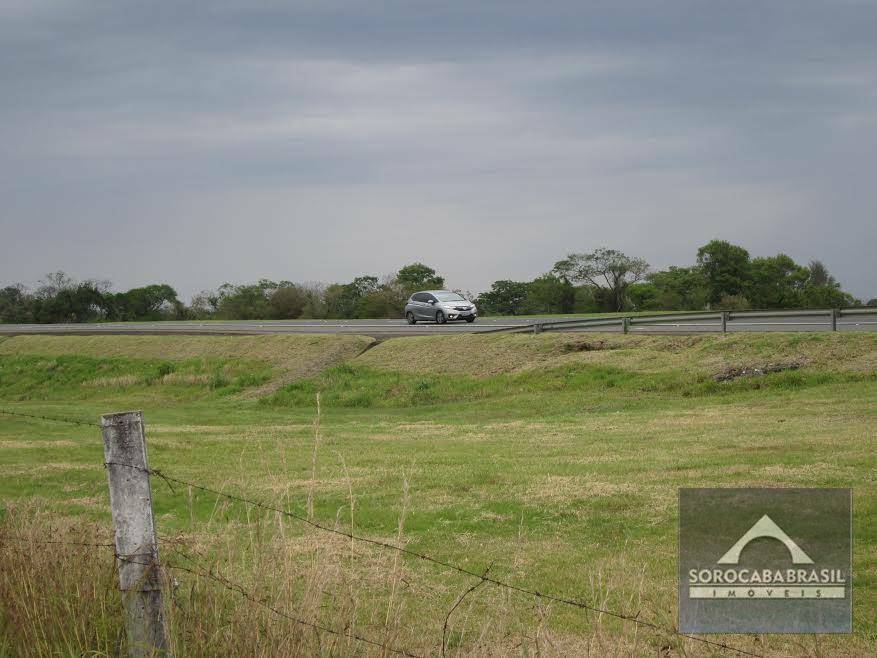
point(471, 318)
point(440, 317)
point(410, 317)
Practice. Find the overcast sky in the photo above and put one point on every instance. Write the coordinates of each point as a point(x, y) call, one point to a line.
point(197, 143)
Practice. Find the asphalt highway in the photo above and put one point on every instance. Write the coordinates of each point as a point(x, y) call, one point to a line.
point(394, 328)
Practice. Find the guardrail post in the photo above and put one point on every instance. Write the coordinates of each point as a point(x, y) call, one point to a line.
point(537, 328)
point(724, 322)
point(136, 545)
point(625, 324)
point(834, 314)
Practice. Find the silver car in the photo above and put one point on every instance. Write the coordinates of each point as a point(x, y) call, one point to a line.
point(439, 306)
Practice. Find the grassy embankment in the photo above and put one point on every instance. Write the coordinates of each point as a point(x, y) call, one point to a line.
point(553, 459)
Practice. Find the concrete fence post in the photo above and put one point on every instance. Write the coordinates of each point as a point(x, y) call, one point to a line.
point(134, 526)
point(625, 324)
point(834, 314)
point(537, 328)
point(724, 322)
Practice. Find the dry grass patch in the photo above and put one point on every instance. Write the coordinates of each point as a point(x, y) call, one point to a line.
point(89, 501)
point(14, 444)
point(566, 488)
point(112, 382)
point(813, 472)
point(191, 379)
point(55, 600)
point(49, 467)
point(507, 353)
point(420, 430)
point(157, 428)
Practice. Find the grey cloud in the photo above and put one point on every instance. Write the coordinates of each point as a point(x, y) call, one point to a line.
point(320, 140)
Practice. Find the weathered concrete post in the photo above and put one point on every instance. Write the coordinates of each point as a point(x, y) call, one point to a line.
point(625, 324)
point(834, 314)
point(136, 546)
point(724, 322)
point(537, 328)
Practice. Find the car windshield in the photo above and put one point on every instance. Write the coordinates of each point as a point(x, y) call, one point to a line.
point(449, 297)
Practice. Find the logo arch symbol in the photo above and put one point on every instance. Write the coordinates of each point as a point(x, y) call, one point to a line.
point(765, 527)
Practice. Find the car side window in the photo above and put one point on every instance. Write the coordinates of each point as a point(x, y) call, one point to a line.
point(430, 298)
point(418, 297)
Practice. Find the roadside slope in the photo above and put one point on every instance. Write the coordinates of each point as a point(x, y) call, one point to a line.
point(294, 356)
point(483, 355)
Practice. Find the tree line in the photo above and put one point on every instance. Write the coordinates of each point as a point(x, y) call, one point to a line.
point(723, 276)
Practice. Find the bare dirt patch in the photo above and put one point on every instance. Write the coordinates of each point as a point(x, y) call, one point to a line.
point(585, 346)
point(730, 374)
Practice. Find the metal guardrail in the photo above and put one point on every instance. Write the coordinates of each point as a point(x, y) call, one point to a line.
point(721, 318)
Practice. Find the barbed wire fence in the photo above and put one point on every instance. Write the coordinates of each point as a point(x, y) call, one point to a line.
point(197, 569)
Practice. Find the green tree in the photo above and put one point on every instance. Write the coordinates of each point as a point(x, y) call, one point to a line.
point(504, 298)
point(549, 294)
point(245, 302)
point(152, 302)
point(725, 267)
point(644, 297)
point(776, 282)
point(315, 301)
point(338, 301)
point(16, 305)
point(585, 301)
point(79, 302)
point(826, 297)
point(822, 290)
point(820, 276)
point(385, 302)
point(345, 300)
point(364, 285)
point(679, 288)
point(286, 302)
point(418, 276)
point(605, 269)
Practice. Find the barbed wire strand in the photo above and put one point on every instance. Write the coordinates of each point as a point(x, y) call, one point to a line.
point(56, 419)
point(407, 551)
point(211, 575)
point(427, 558)
point(250, 596)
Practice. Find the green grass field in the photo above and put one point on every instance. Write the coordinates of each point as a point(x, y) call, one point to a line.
point(552, 459)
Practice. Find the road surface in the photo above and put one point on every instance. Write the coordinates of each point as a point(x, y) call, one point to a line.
point(850, 321)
